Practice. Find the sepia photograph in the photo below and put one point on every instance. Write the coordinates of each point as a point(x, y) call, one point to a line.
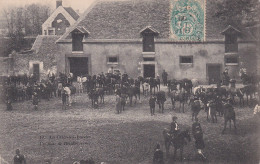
point(129, 81)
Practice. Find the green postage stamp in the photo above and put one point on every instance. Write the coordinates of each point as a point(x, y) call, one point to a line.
point(187, 20)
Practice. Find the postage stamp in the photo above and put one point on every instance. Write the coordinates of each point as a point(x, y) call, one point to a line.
point(187, 20)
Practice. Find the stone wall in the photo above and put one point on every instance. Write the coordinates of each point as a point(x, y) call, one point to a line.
point(23, 63)
point(166, 57)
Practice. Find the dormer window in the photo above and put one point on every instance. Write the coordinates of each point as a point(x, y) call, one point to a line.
point(231, 36)
point(77, 44)
point(77, 38)
point(148, 34)
point(231, 44)
point(148, 43)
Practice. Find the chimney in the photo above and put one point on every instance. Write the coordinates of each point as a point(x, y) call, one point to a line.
point(58, 3)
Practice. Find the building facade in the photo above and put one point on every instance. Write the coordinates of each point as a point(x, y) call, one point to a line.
point(59, 20)
point(143, 38)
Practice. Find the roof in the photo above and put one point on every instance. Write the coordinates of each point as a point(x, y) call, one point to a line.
point(230, 29)
point(149, 29)
point(45, 44)
point(81, 29)
point(72, 12)
point(126, 19)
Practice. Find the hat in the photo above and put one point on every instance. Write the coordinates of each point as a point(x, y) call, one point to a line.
point(174, 118)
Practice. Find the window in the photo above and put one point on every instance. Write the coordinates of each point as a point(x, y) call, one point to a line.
point(51, 32)
point(77, 44)
point(186, 59)
point(149, 59)
point(112, 60)
point(231, 60)
point(148, 43)
point(45, 32)
point(231, 44)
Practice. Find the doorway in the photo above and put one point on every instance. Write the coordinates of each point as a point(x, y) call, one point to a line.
point(78, 66)
point(149, 70)
point(214, 73)
point(36, 71)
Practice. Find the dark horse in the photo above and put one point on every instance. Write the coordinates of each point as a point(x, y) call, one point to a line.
point(178, 142)
point(196, 106)
point(161, 98)
point(229, 114)
point(94, 94)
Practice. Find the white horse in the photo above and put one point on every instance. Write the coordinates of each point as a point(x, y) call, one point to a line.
point(70, 91)
point(80, 83)
point(257, 110)
point(146, 88)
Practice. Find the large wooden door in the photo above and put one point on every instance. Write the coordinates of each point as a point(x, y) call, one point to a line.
point(149, 70)
point(214, 72)
point(78, 66)
point(36, 71)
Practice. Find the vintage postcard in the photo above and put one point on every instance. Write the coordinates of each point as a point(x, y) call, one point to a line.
point(129, 81)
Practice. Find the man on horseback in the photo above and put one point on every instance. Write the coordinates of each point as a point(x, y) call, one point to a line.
point(174, 129)
point(226, 77)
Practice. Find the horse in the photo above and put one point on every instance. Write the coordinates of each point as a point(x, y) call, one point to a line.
point(133, 91)
point(178, 96)
point(161, 98)
point(123, 101)
point(94, 94)
point(196, 106)
point(146, 87)
point(186, 84)
point(178, 142)
point(59, 89)
point(237, 92)
point(70, 90)
point(172, 85)
point(257, 110)
point(248, 90)
point(153, 84)
point(222, 91)
point(229, 114)
point(212, 112)
point(195, 82)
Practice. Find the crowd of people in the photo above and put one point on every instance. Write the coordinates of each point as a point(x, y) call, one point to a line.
point(120, 85)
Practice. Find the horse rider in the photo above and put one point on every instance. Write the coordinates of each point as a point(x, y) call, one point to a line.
point(226, 77)
point(174, 129)
point(70, 78)
point(124, 77)
point(198, 136)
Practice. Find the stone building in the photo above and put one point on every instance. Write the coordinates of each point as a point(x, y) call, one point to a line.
point(140, 38)
point(59, 20)
point(145, 37)
point(41, 59)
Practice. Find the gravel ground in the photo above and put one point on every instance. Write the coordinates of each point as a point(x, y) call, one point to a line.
point(80, 132)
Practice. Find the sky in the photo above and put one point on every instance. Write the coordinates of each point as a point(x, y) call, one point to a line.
point(80, 5)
